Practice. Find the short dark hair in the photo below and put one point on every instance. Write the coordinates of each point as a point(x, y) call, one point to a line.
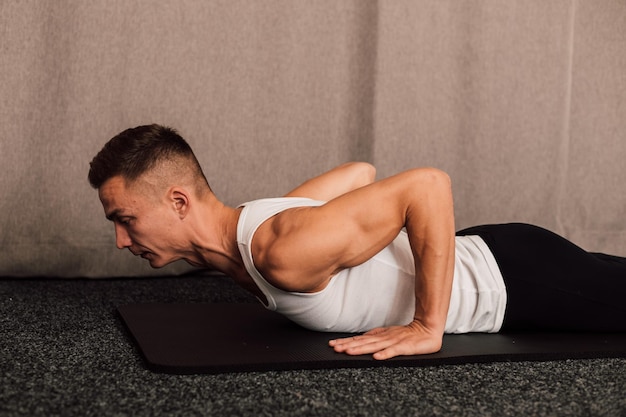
point(135, 151)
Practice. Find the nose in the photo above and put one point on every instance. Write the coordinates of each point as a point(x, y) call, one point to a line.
point(122, 239)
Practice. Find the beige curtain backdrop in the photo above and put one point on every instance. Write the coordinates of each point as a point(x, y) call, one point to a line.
point(522, 102)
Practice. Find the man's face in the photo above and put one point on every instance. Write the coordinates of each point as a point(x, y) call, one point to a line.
point(143, 224)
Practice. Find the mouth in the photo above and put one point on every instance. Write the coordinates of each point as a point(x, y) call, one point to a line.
point(143, 254)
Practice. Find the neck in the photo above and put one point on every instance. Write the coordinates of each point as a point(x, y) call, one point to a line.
point(214, 238)
point(215, 244)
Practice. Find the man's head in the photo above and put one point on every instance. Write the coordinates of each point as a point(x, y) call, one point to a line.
point(142, 150)
point(148, 178)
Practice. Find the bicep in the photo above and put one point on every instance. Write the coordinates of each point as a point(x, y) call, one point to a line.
point(315, 242)
point(358, 224)
point(349, 229)
point(305, 246)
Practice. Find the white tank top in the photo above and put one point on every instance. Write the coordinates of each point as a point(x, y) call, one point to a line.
point(381, 291)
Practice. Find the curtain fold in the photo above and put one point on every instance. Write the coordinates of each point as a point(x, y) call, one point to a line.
point(522, 102)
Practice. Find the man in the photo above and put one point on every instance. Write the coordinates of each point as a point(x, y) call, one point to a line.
point(344, 253)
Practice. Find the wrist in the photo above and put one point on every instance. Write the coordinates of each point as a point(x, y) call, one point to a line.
point(433, 325)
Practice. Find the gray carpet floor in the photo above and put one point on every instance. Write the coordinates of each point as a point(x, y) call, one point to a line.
point(64, 351)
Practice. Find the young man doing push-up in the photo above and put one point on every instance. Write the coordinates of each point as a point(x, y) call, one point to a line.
point(344, 253)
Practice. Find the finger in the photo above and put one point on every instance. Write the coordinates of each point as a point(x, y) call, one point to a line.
point(408, 347)
point(376, 331)
point(363, 347)
point(389, 352)
point(341, 345)
point(371, 346)
point(344, 340)
point(341, 341)
point(365, 344)
point(358, 338)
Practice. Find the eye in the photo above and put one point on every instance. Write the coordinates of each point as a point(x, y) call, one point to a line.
point(124, 220)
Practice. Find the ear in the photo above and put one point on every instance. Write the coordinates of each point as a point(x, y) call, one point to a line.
point(180, 200)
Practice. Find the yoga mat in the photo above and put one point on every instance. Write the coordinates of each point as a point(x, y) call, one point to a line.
point(217, 338)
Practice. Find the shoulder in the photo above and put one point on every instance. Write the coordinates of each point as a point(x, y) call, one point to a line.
point(290, 253)
point(256, 212)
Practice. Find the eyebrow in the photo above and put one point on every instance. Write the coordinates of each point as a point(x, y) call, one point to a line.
point(115, 214)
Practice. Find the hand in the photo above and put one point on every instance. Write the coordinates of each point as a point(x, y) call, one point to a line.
point(387, 342)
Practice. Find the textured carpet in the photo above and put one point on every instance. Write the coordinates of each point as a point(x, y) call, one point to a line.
point(64, 351)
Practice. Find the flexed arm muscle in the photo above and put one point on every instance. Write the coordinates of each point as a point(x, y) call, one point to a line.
point(301, 249)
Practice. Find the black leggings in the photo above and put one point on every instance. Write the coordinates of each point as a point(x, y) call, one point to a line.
point(553, 284)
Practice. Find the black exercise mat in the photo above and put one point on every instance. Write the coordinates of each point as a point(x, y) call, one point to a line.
point(217, 338)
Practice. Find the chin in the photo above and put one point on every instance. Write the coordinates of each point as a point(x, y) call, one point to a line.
point(156, 262)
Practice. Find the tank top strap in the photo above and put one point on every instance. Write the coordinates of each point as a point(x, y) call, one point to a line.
point(253, 214)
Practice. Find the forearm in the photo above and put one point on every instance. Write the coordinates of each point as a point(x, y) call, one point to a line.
point(421, 201)
point(433, 285)
point(430, 226)
point(337, 181)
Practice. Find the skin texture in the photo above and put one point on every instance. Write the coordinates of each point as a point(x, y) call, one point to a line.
point(301, 249)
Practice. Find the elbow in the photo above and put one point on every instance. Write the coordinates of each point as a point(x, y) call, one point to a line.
point(368, 172)
point(434, 176)
point(363, 173)
point(434, 185)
